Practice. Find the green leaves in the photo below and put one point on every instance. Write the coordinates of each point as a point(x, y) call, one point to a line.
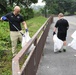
point(57, 6)
point(4, 35)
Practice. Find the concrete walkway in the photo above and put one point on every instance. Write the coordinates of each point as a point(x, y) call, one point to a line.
point(61, 63)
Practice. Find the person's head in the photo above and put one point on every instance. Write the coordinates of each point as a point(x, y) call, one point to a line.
point(60, 15)
point(16, 10)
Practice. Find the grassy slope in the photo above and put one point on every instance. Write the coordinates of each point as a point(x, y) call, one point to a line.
point(34, 24)
point(5, 48)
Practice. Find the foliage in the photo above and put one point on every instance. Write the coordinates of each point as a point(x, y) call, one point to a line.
point(39, 12)
point(7, 6)
point(56, 6)
point(4, 36)
point(27, 13)
point(3, 5)
point(34, 24)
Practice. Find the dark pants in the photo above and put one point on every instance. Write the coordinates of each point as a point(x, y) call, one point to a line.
point(62, 36)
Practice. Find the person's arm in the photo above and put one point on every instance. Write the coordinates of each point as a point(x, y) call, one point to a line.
point(67, 25)
point(54, 31)
point(25, 26)
point(55, 28)
point(5, 17)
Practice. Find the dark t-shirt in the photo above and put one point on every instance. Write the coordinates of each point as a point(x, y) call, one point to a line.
point(62, 25)
point(14, 20)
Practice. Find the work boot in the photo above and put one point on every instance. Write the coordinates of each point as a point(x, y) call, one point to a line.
point(59, 51)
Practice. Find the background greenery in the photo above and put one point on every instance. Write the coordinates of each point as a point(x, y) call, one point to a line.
point(8, 5)
point(68, 7)
point(5, 45)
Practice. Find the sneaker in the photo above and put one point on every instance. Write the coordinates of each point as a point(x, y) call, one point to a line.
point(64, 50)
point(59, 51)
point(55, 51)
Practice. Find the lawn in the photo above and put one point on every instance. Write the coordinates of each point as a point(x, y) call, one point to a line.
point(5, 44)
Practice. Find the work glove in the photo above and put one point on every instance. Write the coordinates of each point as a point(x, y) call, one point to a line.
point(26, 30)
point(4, 18)
point(54, 33)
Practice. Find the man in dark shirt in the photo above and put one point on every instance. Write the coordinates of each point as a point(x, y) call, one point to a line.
point(14, 18)
point(62, 26)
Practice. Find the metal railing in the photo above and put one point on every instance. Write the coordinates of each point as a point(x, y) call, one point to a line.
point(30, 65)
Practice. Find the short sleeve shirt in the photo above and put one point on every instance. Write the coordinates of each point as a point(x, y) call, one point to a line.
point(62, 25)
point(14, 20)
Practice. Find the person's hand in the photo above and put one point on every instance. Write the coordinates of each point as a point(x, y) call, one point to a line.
point(26, 30)
point(4, 18)
point(0, 18)
point(54, 33)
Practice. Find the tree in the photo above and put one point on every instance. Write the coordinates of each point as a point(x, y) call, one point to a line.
point(56, 6)
point(11, 3)
point(2, 7)
point(7, 5)
point(72, 10)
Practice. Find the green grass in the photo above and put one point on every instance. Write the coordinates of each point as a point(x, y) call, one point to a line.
point(34, 24)
point(5, 44)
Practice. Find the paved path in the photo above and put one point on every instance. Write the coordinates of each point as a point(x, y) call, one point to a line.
point(61, 63)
